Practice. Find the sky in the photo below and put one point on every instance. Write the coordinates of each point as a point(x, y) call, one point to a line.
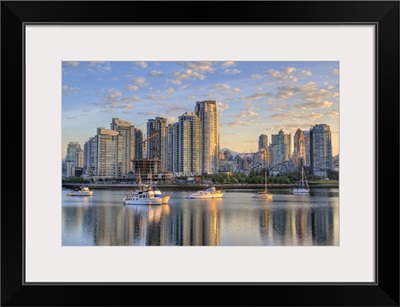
point(253, 98)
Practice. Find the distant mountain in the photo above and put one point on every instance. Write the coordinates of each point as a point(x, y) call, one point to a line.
point(234, 153)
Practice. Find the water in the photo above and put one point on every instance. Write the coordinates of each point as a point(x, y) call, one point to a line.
point(235, 220)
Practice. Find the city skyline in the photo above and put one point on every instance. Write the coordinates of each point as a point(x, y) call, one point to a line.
point(253, 98)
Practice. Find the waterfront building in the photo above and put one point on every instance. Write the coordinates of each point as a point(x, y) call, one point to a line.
point(281, 148)
point(157, 146)
point(90, 157)
point(138, 143)
point(299, 151)
point(107, 152)
point(320, 149)
point(73, 158)
point(189, 144)
point(173, 147)
point(126, 146)
point(307, 157)
point(207, 112)
point(262, 142)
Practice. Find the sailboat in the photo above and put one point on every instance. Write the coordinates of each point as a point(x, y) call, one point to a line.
point(303, 189)
point(264, 194)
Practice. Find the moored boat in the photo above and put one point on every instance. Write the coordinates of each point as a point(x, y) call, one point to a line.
point(82, 191)
point(211, 192)
point(303, 189)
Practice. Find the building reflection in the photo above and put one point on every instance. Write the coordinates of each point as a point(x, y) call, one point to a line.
point(202, 223)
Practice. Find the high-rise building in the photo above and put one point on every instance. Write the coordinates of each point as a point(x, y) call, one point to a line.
point(126, 146)
point(72, 149)
point(189, 149)
point(320, 149)
point(107, 152)
point(173, 147)
point(281, 148)
point(138, 143)
point(307, 157)
point(207, 112)
point(299, 151)
point(73, 158)
point(157, 146)
point(90, 156)
point(262, 142)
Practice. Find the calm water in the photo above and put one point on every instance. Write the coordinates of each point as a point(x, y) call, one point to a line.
point(235, 220)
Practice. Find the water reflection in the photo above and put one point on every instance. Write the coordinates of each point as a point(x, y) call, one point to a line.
point(235, 220)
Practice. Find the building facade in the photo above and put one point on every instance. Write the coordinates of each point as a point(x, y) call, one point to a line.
point(299, 151)
point(262, 142)
point(157, 146)
point(281, 148)
point(207, 112)
point(126, 146)
point(189, 144)
point(320, 149)
point(107, 152)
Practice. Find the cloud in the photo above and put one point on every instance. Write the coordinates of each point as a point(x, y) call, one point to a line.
point(286, 75)
point(221, 107)
point(98, 67)
point(70, 64)
point(140, 80)
point(142, 64)
point(235, 123)
point(296, 117)
point(170, 90)
point(201, 66)
point(335, 71)
point(231, 71)
point(333, 114)
point(113, 99)
point(149, 113)
point(220, 87)
point(188, 74)
point(155, 73)
point(306, 73)
point(257, 96)
point(70, 90)
point(250, 112)
point(256, 76)
point(131, 87)
point(228, 64)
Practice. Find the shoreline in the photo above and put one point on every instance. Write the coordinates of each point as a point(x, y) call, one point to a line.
point(197, 186)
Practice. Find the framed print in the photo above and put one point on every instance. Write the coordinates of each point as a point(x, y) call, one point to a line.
point(200, 155)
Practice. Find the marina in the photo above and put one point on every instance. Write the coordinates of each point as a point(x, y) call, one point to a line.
point(236, 219)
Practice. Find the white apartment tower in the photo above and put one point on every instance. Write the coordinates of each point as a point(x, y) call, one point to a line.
point(126, 146)
point(207, 112)
point(189, 148)
point(107, 152)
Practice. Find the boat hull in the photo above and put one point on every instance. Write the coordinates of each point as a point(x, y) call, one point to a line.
point(146, 201)
point(219, 195)
point(80, 194)
point(301, 191)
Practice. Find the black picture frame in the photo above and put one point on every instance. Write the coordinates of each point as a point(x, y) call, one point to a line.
point(383, 14)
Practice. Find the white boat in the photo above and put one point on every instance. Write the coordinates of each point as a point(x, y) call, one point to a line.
point(83, 191)
point(207, 193)
point(303, 189)
point(264, 194)
point(146, 195)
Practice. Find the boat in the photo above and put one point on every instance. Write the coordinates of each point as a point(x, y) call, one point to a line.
point(264, 194)
point(146, 195)
point(210, 192)
point(303, 188)
point(82, 191)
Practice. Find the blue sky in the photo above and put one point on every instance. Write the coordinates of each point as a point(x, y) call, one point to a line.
point(253, 98)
